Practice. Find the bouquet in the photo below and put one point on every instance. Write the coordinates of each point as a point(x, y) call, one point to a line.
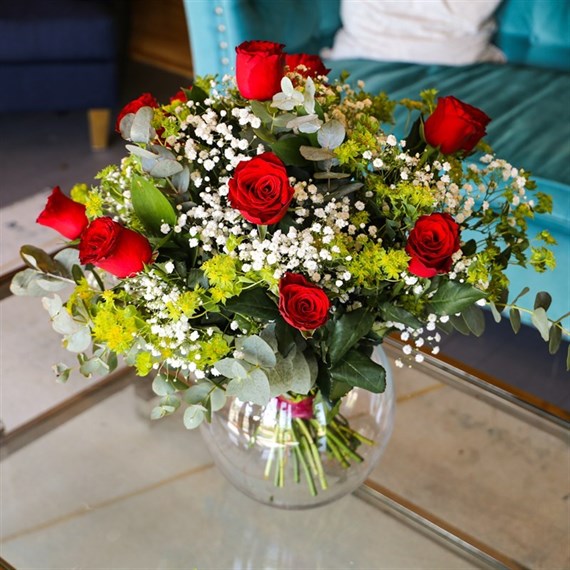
point(266, 232)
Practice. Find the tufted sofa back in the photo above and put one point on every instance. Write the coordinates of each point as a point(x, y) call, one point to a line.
point(530, 32)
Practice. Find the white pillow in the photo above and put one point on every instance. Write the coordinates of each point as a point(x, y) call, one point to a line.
point(447, 32)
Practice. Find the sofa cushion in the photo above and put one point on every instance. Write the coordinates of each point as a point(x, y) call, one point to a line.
point(444, 32)
point(58, 30)
point(535, 32)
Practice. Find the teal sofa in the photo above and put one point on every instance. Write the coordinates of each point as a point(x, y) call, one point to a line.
point(528, 97)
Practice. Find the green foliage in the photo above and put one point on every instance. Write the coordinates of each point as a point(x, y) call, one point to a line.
point(151, 206)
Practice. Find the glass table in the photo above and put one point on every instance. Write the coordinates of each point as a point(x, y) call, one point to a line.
point(474, 476)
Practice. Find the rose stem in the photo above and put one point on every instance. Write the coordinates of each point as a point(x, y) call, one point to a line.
point(315, 453)
point(345, 450)
point(310, 482)
point(296, 472)
point(355, 434)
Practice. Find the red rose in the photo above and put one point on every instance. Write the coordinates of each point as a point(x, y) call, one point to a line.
point(260, 189)
point(145, 100)
point(302, 304)
point(455, 126)
point(259, 69)
point(311, 65)
point(114, 248)
point(432, 242)
point(180, 95)
point(63, 215)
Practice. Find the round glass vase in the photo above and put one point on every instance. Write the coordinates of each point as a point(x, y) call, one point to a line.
point(288, 454)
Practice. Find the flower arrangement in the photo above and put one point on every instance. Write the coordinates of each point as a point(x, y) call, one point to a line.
point(265, 232)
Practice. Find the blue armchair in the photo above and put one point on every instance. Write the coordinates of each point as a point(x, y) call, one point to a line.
point(61, 55)
point(527, 97)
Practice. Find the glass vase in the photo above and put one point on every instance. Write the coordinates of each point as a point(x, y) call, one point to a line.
point(289, 454)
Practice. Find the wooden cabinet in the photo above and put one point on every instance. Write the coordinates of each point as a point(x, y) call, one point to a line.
point(159, 35)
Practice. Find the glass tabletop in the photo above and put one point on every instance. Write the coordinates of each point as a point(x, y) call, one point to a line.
point(475, 475)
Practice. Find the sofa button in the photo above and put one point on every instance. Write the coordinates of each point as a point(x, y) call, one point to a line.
point(219, 10)
point(225, 61)
point(221, 28)
point(223, 45)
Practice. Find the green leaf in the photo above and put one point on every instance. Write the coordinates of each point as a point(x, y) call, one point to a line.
point(453, 297)
point(521, 294)
point(515, 318)
point(540, 321)
point(253, 303)
point(79, 340)
point(554, 339)
point(543, 300)
point(141, 127)
point(347, 331)
point(256, 351)
point(62, 371)
point(459, 325)
point(357, 370)
point(474, 319)
point(260, 110)
point(253, 388)
point(196, 94)
point(398, 315)
point(287, 149)
point(285, 335)
point(151, 206)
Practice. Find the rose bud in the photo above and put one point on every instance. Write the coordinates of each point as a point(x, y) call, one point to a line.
point(455, 126)
point(260, 189)
point(302, 304)
point(114, 248)
point(145, 100)
point(306, 65)
point(260, 67)
point(431, 243)
point(180, 95)
point(63, 215)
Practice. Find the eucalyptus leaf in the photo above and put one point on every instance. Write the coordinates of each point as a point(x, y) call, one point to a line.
point(162, 168)
point(331, 134)
point(198, 393)
point(540, 321)
point(50, 284)
point(495, 312)
point(554, 339)
point(181, 180)
point(217, 399)
point(253, 388)
point(38, 259)
point(256, 351)
point(93, 366)
point(347, 330)
point(126, 125)
point(231, 368)
point(52, 305)
point(453, 297)
point(515, 319)
point(260, 110)
point(78, 341)
point(291, 374)
point(62, 371)
point(269, 336)
point(161, 386)
point(358, 370)
point(194, 416)
point(150, 205)
point(315, 154)
point(328, 175)
point(543, 300)
point(140, 151)
point(63, 323)
point(68, 258)
point(141, 130)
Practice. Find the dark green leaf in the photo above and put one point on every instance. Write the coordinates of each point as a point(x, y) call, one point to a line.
point(196, 278)
point(347, 331)
point(151, 206)
point(474, 319)
point(254, 303)
point(265, 135)
point(398, 315)
point(287, 149)
point(453, 297)
point(260, 110)
point(196, 94)
point(332, 390)
point(554, 339)
point(459, 325)
point(543, 300)
point(515, 318)
point(523, 292)
point(469, 248)
point(357, 370)
point(285, 335)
